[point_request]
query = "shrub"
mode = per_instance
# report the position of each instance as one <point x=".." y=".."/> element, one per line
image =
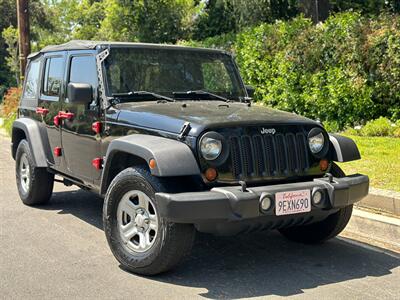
<point x="10" y="101"/>
<point x="396" y="132"/>
<point x="331" y="126"/>
<point x="9" y="121"/>
<point x="345" y="71"/>
<point x="352" y="131"/>
<point x="378" y="127"/>
<point x="9" y="107"/>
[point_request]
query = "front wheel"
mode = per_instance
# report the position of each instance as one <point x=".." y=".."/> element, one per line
<point x="325" y="229"/>
<point x="139" y="238"/>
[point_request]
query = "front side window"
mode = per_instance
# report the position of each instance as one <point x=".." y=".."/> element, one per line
<point x="32" y="80"/>
<point x="53" y="75"/>
<point x="83" y="70"/>
<point x="169" y="71"/>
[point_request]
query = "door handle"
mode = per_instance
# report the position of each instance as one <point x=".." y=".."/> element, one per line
<point x="61" y="116"/>
<point x="42" y="111"/>
<point x="65" y="115"/>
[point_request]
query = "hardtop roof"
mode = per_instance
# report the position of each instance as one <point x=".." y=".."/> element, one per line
<point x="87" y="45"/>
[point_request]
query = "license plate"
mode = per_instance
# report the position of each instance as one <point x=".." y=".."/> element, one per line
<point x="293" y="202"/>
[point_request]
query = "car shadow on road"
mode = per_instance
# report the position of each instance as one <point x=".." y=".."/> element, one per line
<point x="251" y="265"/>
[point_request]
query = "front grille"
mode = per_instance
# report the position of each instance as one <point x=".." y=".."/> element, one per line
<point x="269" y="155"/>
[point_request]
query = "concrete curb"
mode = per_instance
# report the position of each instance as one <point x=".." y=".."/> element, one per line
<point x="375" y="229"/>
<point x="382" y="200"/>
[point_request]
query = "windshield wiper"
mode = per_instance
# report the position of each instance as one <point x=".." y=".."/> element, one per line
<point x="134" y="94"/>
<point x="200" y="92"/>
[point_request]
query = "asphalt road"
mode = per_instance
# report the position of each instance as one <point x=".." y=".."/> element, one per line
<point x="59" y="251"/>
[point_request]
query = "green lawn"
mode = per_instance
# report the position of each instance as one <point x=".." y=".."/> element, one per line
<point x="380" y="160"/>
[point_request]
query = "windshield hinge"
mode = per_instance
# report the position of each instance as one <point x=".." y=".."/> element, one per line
<point x="184" y="130"/>
<point x="102" y="91"/>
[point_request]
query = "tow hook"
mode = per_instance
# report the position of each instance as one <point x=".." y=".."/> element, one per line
<point x="243" y="184"/>
<point x="329" y="176"/>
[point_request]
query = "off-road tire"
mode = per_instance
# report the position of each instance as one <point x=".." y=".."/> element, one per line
<point x="324" y="230"/>
<point x="40" y="187"/>
<point x="173" y="241"/>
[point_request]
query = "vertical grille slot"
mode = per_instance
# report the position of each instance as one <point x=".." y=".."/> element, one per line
<point x="302" y="152"/>
<point x="292" y="153"/>
<point x="247" y="156"/>
<point x="235" y="154"/>
<point x="281" y="153"/>
<point x="259" y="155"/>
<point x="270" y="155"/>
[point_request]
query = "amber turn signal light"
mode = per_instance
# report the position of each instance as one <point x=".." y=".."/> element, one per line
<point x="323" y="164"/>
<point x="211" y="174"/>
<point x="152" y="163"/>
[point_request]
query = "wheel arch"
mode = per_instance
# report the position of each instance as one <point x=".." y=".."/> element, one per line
<point x="173" y="158"/>
<point x="343" y="149"/>
<point x="25" y="128"/>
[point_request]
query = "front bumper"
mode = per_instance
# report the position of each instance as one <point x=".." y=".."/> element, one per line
<point x="229" y="204"/>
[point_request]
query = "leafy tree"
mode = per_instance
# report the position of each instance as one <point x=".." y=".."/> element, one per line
<point x="88" y="24"/>
<point x="39" y="19"/>
<point x="10" y="36"/>
<point x="372" y="7"/>
<point x="223" y="16"/>
<point x="8" y="18"/>
<point x="216" y="18"/>
<point x="147" y="21"/>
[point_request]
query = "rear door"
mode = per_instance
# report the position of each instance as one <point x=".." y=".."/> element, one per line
<point x="80" y="143"/>
<point x="51" y="94"/>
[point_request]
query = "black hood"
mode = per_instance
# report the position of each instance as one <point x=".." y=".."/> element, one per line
<point x="203" y="115"/>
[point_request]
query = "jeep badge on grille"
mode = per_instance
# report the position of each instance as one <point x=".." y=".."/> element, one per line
<point x="268" y="131"/>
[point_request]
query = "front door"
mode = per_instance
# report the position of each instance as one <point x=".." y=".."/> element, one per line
<point x="81" y="145"/>
<point x="50" y="101"/>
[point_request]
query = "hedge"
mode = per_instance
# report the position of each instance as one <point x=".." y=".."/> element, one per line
<point x="343" y="72"/>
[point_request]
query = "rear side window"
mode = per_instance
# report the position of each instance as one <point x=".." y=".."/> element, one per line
<point x="53" y="75"/>
<point x="32" y="80"/>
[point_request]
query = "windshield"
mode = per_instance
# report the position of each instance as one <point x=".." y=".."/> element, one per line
<point x="169" y="72"/>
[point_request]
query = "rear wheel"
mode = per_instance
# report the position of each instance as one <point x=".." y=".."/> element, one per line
<point x="141" y="240"/>
<point x="35" y="185"/>
<point x="323" y="230"/>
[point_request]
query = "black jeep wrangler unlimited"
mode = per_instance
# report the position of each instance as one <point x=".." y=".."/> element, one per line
<point x="168" y="136"/>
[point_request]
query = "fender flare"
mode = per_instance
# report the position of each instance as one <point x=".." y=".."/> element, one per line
<point x="343" y="149"/>
<point x="36" y="137"/>
<point x="173" y="158"/>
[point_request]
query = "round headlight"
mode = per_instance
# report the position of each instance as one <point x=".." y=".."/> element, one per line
<point x="316" y="142"/>
<point x="210" y="148"/>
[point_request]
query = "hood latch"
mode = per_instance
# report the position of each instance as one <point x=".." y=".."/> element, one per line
<point x="184" y="130"/>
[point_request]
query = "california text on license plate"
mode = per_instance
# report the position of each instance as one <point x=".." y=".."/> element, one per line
<point x="293" y="202"/>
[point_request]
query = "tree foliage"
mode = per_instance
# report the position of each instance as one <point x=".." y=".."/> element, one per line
<point x="148" y="21"/>
<point x="10" y="36"/>
<point x="39" y="19"/>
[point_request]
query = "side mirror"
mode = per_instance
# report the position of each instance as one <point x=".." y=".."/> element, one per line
<point x="250" y="90"/>
<point x="79" y="93"/>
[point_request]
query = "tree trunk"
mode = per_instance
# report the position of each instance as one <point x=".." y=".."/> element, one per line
<point x="23" y="31"/>
<point x="317" y="10"/>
